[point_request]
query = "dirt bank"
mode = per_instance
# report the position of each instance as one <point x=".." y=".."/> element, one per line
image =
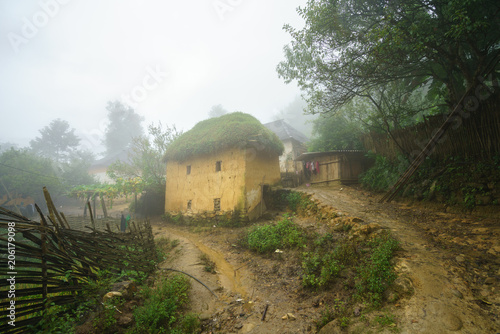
<point x="448" y="259"/>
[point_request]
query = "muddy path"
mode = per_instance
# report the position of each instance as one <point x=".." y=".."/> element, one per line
<point x="243" y="296"/>
<point x="446" y="299"/>
<point x="453" y="291"/>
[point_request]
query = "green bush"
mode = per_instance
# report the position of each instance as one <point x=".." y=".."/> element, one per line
<point x="319" y="270"/>
<point x="293" y="200"/>
<point x="268" y="238"/>
<point x="162" y="305"/>
<point x="384" y="173"/>
<point x="376" y="273"/>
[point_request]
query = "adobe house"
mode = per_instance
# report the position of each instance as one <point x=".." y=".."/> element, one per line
<point x="100" y="167"/>
<point x="294" y="143"/>
<point x="340" y="166"/>
<point x="222" y="164"/>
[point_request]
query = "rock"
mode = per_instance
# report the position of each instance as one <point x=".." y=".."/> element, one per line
<point x="490" y="280"/>
<point x="288" y="316"/>
<point x="110" y="295"/>
<point x="331" y="328"/>
<point x="239" y="325"/>
<point x="457" y="293"/>
<point x="452" y="322"/>
<point x="124" y="321"/>
<point x="460" y="258"/>
<point x="126" y="288"/>
<point x="247" y="328"/>
<point x="495" y="250"/>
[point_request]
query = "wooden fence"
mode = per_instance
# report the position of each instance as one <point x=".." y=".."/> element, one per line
<point x="472" y="135"/>
<point x="47" y="262"/>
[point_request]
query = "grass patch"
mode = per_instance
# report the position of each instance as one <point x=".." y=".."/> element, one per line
<point x="161" y="312"/>
<point x="338" y="310"/>
<point x="208" y="265"/>
<point x="376" y="272"/>
<point x="267" y="238"/>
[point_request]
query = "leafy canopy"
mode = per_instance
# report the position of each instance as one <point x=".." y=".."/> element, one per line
<point x="56" y="141"/>
<point x="145" y="158"/>
<point x="124" y="124"/>
<point x="234" y="130"/>
<point x="352" y="48"/>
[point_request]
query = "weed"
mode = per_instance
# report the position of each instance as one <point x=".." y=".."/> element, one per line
<point x="322" y="266"/>
<point x="208" y="265"/>
<point x="319" y="269"/>
<point x="161" y="310"/>
<point x="268" y="238"/>
<point x="293" y="200"/>
<point x="339" y="311"/>
<point x="385" y="320"/>
<point x="376" y="273"/>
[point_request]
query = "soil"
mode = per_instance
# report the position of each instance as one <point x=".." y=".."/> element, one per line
<point x="449" y="261"/>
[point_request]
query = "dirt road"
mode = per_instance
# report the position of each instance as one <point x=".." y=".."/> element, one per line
<point x="449" y="260"/>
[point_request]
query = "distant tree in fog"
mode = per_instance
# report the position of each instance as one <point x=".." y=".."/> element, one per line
<point x="56" y="141"/>
<point x="5" y="146"/>
<point x="23" y="173"/>
<point x="124" y="124"/>
<point x="294" y="114"/>
<point x="216" y="111"/>
<point x="146" y="157"/>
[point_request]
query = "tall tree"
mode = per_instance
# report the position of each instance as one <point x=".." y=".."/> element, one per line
<point x="124" y="124"/>
<point x="146" y="157"/>
<point x="352" y="48"/>
<point x="339" y="131"/>
<point x="56" y="141"/>
<point x="23" y="173"/>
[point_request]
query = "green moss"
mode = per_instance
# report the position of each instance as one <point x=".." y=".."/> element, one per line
<point x="234" y="130"/>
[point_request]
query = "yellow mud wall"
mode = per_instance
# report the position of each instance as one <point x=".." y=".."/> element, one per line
<point x="204" y="184"/>
<point x="262" y="168"/>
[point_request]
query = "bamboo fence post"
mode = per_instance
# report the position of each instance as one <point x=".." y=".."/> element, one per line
<point x="52" y="208"/>
<point x="103" y="204"/>
<point x="43" y="239"/>
<point x="91" y="216"/>
<point x="65" y="220"/>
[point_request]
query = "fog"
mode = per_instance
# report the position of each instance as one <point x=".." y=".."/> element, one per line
<point x="171" y="61"/>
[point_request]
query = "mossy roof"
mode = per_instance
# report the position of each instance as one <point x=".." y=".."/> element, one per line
<point x="234" y="130"/>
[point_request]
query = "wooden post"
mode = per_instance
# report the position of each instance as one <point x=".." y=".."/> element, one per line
<point x="85" y="207"/>
<point x="103" y="204"/>
<point x="91" y="215"/>
<point x="43" y="240"/>
<point x="52" y="208"/>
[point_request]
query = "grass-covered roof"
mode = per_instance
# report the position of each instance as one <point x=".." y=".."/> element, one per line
<point x="220" y="133"/>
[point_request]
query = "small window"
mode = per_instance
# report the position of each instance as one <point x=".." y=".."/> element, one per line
<point x="218" y="166"/>
<point x="189" y="205"/>
<point x="216" y="204"/>
<point x="188" y="170"/>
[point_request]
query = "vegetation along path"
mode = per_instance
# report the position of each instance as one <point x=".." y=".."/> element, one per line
<point x="447" y="270"/>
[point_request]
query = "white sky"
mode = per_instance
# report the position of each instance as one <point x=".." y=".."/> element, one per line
<point x="68" y="60"/>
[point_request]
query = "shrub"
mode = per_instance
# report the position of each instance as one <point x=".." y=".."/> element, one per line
<point x="319" y="269"/>
<point x="384" y="173"/>
<point x="268" y="238"/>
<point x="376" y="273"/>
<point x="161" y="310"/>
